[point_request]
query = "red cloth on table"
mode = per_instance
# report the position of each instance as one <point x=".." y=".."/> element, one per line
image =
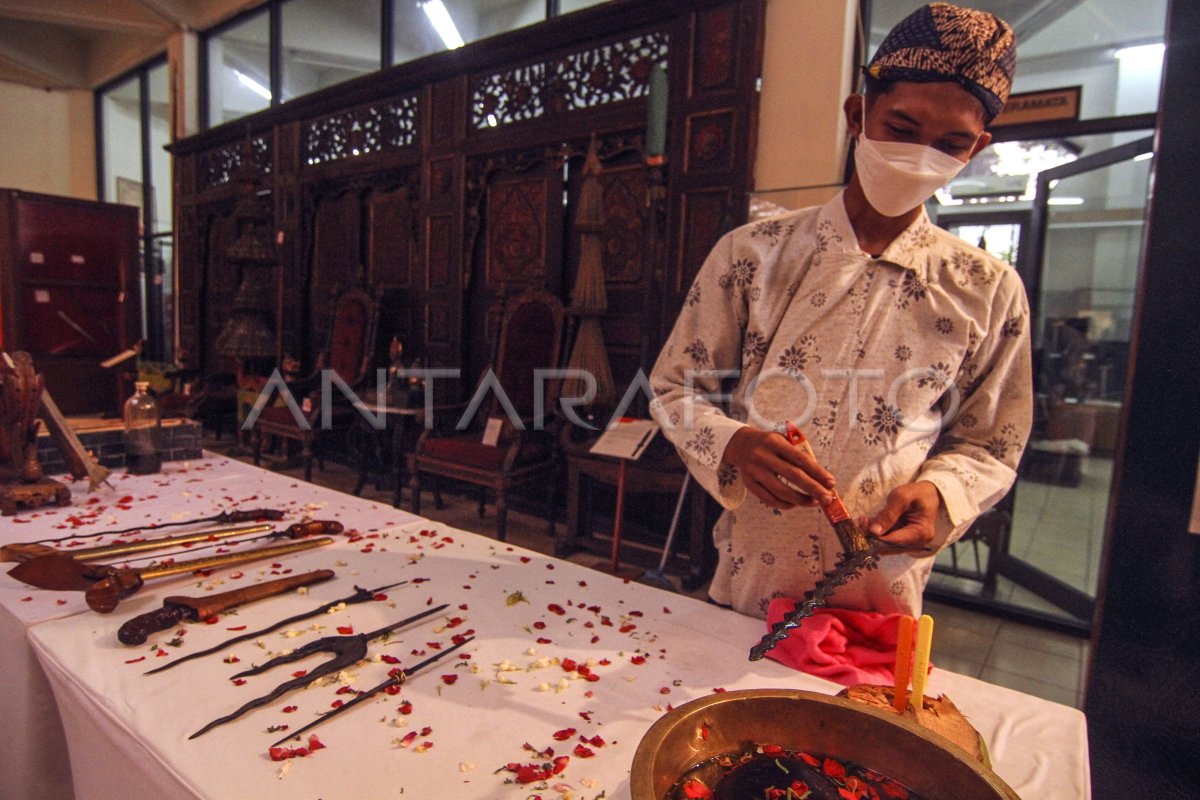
<point x="840" y="644"/>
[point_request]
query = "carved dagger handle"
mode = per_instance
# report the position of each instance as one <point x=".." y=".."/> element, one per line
<point x="178" y="609"/>
<point x="138" y="629"/>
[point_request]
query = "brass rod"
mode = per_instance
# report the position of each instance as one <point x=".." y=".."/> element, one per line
<point x="122" y="548"/>
<point x="191" y="565"/>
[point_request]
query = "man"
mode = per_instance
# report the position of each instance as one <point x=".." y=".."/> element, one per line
<point x="901" y="351"/>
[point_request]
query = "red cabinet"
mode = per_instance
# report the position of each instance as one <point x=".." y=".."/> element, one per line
<point x="69" y="292"/>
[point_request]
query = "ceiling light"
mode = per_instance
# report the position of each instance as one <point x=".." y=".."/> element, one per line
<point x="1065" y="201"/>
<point x="253" y="85"/>
<point x="1142" y="52"/>
<point x="439" y="17"/>
<point x="1144" y="157"/>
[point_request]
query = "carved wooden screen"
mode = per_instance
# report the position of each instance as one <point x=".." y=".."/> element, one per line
<point x="519" y="245"/>
<point x="444" y="179"/>
<point x="220" y="285"/>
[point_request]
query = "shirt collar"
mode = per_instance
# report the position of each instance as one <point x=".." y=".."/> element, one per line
<point x="909" y="250"/>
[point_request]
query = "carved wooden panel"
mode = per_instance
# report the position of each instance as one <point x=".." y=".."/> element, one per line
<point x="220" y="285"/>
<point x="439" y="251"/>
<point x="335" y="258"/>
<point x="703" y="215"/>
<point x="438" y="323"/>
<point x="390" y="238"/>
<point x="594" y="76"/>
<point x="441" y="188"/>
<point x="624" y="242"/>
<point x="517" y="234"/>
<point x="218" y="165"/>
<point x="447" y="98"/>
<point x="191" y="287"/>
<point x="709" y="138"/>
<point x="372" y="128"/>
<point x="715" y="48"/>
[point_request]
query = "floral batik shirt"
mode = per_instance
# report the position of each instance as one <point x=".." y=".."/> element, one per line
<point x="913" y="365"/>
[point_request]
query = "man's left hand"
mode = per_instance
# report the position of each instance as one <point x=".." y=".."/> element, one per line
<point x="908" y="517"/>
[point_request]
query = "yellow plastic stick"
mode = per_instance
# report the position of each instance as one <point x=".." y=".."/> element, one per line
<point x="921" y="660"/>
<point x="903" y="666"/>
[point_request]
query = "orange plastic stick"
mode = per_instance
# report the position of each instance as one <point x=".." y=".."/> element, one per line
<point x="904" y="646"/>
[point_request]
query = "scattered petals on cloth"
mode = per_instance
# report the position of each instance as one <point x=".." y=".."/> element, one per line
<point x="840" y="644"/>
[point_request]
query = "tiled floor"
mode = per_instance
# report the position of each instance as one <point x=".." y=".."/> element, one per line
<point x="1023" y="657"/>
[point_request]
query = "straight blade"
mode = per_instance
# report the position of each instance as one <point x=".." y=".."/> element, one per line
<point x="360" y="595"/>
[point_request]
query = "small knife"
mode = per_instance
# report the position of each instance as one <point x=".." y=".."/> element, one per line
<point x="177" y="609"/>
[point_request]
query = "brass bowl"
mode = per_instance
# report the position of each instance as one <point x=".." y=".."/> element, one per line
<point x="926" y="762"/>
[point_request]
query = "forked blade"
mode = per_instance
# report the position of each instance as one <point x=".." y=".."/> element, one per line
<point x="395" y="680"/>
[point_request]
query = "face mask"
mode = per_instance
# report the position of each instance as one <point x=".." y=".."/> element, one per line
<point x="897" y="177"/>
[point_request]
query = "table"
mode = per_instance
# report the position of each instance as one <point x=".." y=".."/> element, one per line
<point x="653" y="473"/>
<point x="471" y="716"/>
<point x="396" y="418"/>
<point x="32" y="745"/>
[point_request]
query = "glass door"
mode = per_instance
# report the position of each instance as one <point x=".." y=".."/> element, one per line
<point x="1087" y="226"/>
<point x="1077" y="246"/>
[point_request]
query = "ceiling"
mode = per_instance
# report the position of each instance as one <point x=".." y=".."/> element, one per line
<point x="81" y="44"/>
<point x="1047" y="27"/>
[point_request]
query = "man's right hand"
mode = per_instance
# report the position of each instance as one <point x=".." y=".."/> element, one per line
<point x="768" y="463"/>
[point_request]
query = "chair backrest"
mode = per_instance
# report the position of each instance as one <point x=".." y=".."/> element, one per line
<point x="530" y="338"/>
<point x="351" y="345"/>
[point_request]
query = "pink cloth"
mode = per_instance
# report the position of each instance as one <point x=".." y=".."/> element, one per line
<point x="843" y="645"/>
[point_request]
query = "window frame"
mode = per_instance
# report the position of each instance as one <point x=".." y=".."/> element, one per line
<point x="152" y="299"/>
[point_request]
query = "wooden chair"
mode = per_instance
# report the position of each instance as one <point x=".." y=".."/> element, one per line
<point x="349" y="351"/>
<point x="529" y="339"/>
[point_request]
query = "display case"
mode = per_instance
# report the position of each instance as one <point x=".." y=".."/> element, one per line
<point x="69" y="293"/>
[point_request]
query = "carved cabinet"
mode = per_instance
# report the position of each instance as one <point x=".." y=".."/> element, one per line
<point x="69" y="293"/>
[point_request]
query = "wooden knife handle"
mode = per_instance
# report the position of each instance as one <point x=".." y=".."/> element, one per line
<point x="137" y="630"/>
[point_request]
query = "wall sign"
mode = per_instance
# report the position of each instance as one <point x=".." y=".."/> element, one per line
<point x="1043" y="106"/>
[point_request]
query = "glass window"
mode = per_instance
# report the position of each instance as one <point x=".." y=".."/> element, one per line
<point x="239" y="72"/>
<point x="159" y="218"/>
<point x="326" y="42"/>
<point x="121" y="126"/>
<point x="414" y="35"/>
<point x="1111" y="48"/>
<point x="567" y="6"/>
<point x="430" y="26"/>
<point x="135" y="121"/>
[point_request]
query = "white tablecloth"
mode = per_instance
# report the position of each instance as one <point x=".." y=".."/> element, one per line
<point x="127" y="732"/>
<point x="33" y="760"/>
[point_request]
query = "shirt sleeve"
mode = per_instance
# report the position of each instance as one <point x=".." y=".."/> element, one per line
<point x="974" y="462"/>
<point x="702" y="353"/>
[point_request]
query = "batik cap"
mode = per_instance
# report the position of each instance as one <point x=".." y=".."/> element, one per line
<point x="941" y="42"/>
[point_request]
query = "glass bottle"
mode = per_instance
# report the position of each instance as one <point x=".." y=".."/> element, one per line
<point x="143" y="432"/>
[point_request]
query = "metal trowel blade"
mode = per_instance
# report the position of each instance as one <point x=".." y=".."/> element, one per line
<point x="58" y="573"/>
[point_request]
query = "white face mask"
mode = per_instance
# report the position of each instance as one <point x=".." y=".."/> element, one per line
<point x="897" y="177"/>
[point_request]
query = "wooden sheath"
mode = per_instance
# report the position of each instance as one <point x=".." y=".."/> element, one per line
<point x="205" y="607"/>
